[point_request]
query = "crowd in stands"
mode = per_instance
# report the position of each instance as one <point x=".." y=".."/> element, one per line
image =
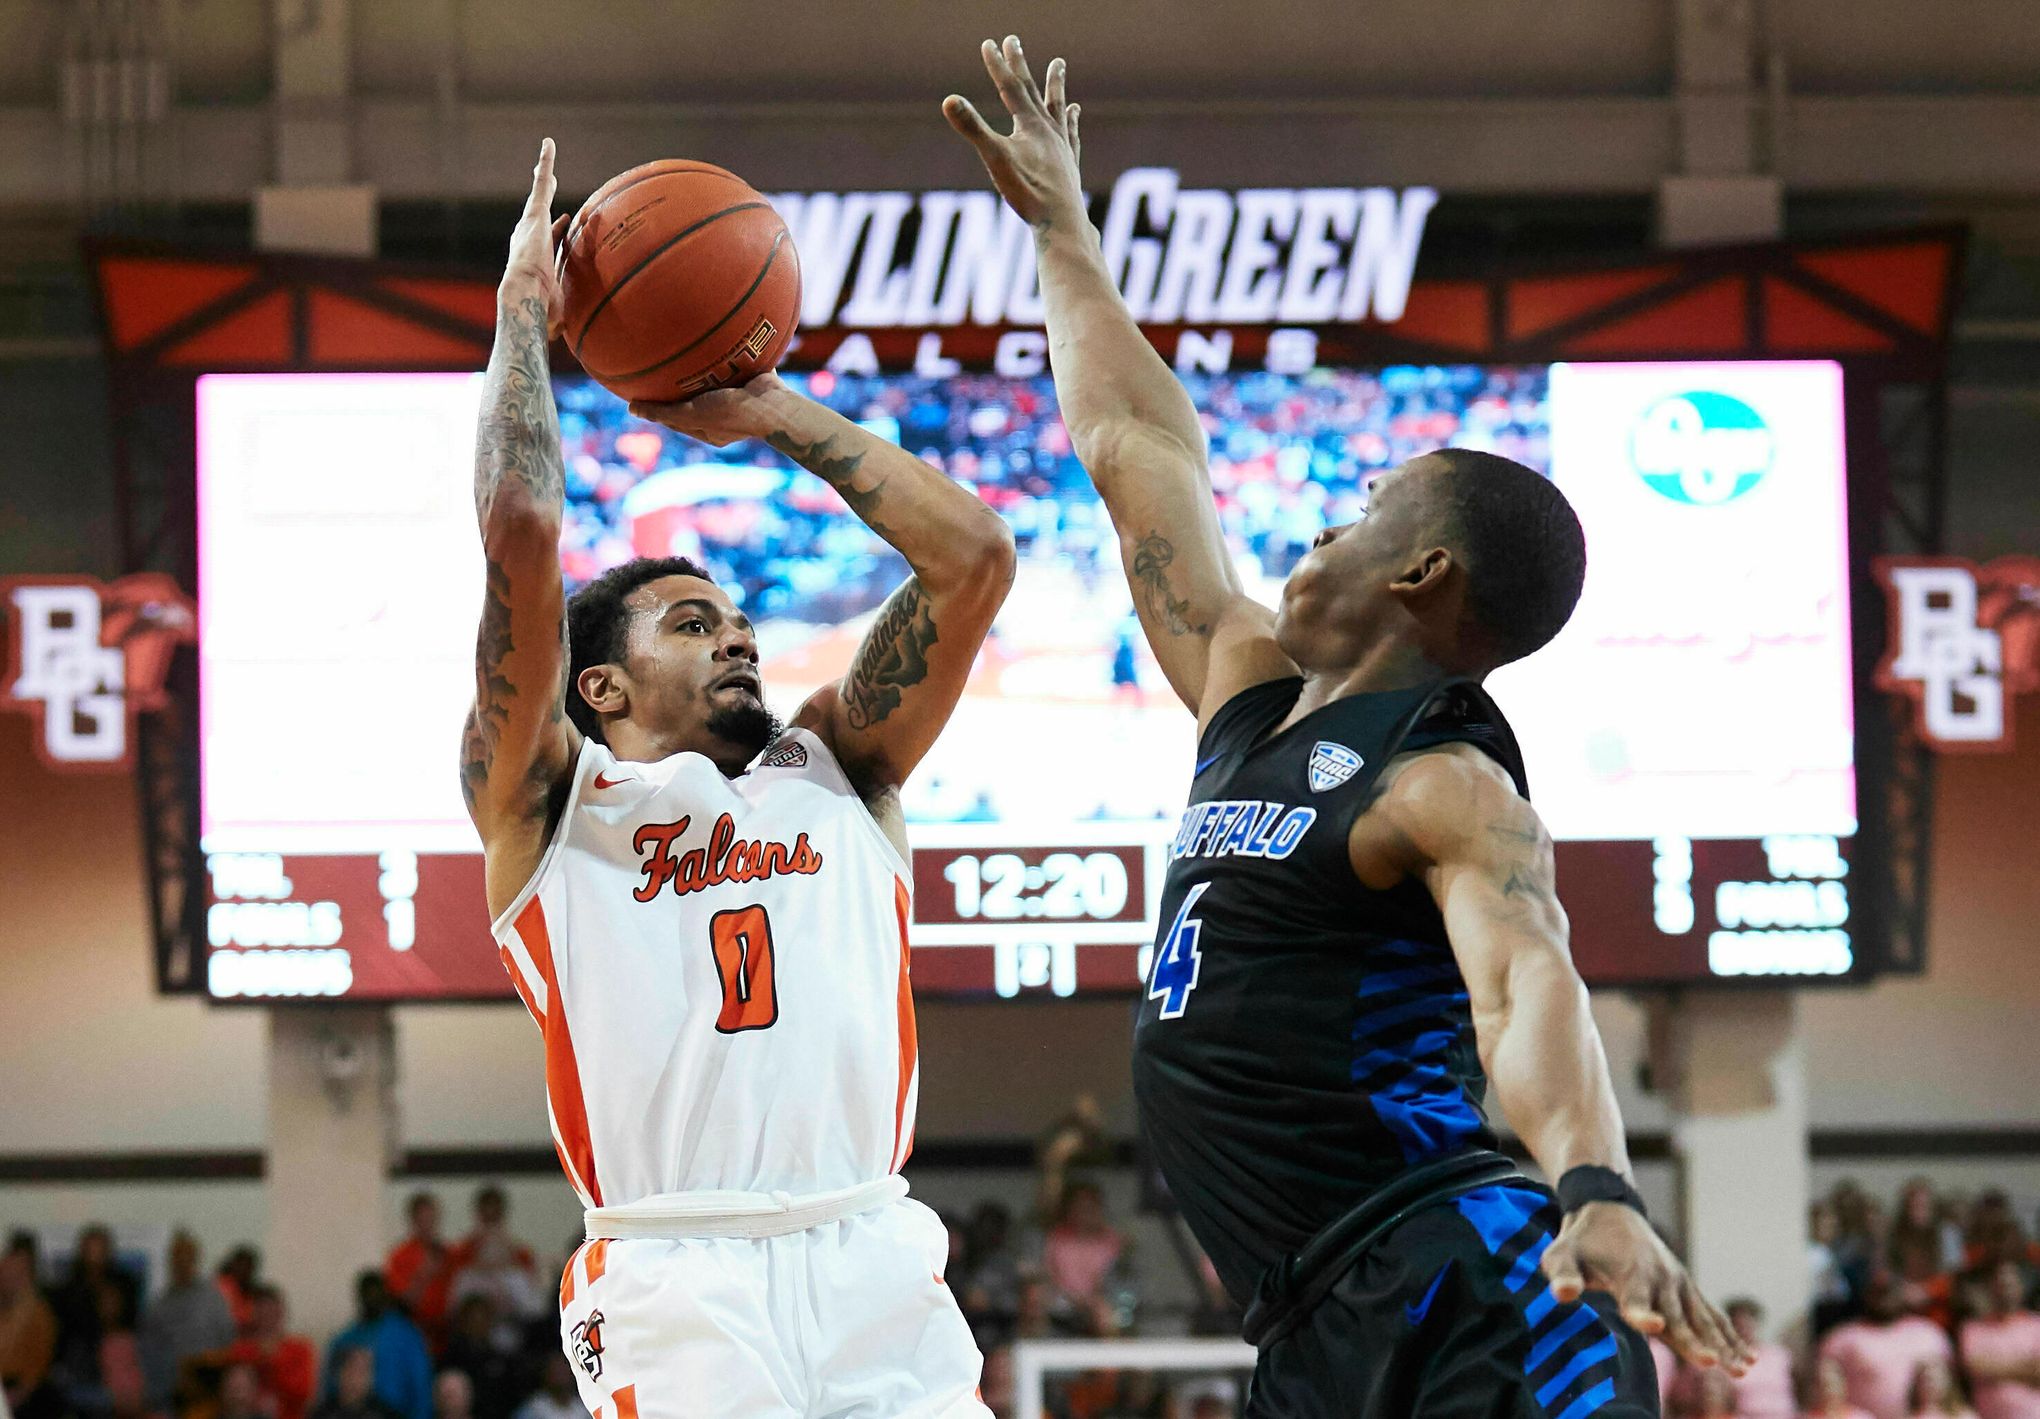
<point x="1289" y="454"/>
<point x="1925" y="1311"/>
<point x="445" y="1329"/>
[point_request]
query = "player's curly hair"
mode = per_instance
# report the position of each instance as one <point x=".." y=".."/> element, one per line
<point x="596" y="618"/>
<point x="1525" y="552"/>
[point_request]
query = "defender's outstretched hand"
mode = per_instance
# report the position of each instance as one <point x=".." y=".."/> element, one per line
<point x="1611" y="1248"/>
<point x="1035" y="166"/>
<point x="533" y="269"/>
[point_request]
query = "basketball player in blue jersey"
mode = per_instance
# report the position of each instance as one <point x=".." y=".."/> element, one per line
<point x="1359" y="931"/>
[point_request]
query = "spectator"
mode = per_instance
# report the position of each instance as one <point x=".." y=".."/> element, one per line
<point x="995" y="1386"/>
<point x="1079" y="1256"/>
<point x="121" y="1378"/>
<point x="1925" y="1226"/>
<point x="1831" y="1394"/>
<point x="238" y="1275"/>
<point x="419" y="1270"/>
<point x="453" y="1396"/>
<point x="189" y="1319"/>
<point x="557" y="1397"/>
<point x="241" y="1394"/>
<point x="1919" y="1252"/>
<point x="1935" y="1395"/>
<point x="1714" y="1396"/>
<point x="1213" y="1395"/>
<point x="82" y="1320"/>
<point x="1765" y="1390"/>
<point x="1139" y="1396"/>
<point x="1665" y="1361"/>
<point x="1075" y="1140"/>
<point x="475" y="1347"/>
<point x="1994" y="1234"/>
<point x="28" y="1334"/>
<point x="1828" y="1291"/>
<point x="490" y="1262"/>
<point x="285" y="1366"/>
<point x="1035" y="1319"/>
<point x="354" y="1382"/>
<point x="1216" y="1312"/>
<point x="988" y="1287"/>
<point x="2002" y="1350"/>
<point x="1877" y="1354"/>
<point x="398" y="1366"/>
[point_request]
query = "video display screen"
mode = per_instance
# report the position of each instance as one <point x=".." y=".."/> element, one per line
<point x="1688" y="736"/>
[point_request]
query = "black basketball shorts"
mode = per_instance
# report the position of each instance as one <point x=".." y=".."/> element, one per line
<point x="1448" y="1317"/>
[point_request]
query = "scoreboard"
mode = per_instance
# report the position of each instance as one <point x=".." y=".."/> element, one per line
<point x="1689" y="737"/>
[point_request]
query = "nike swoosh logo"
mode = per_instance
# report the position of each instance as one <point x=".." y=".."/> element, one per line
<point x="601" y="782"/>
<point x="1203" y="764"/>
<point x="1415" y="1314"/>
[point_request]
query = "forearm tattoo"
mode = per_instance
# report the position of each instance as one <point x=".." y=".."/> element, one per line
<point x="518" y="441"/>
<point x="839" y="471"/>
<point x="1151" y="562"/>
<point x="893" y="658"/>
<point x="519" y="437"/>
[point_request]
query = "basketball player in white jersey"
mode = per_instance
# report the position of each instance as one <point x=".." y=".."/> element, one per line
<point x="708" y="916"/>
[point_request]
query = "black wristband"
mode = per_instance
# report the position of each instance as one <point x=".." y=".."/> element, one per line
<point x="1592" y="1183"/>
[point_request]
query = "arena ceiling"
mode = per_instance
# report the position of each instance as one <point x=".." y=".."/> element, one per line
<point x="203" y="100"/>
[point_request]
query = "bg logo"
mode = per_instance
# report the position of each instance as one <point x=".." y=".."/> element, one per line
<point x="86" y="658"/>
<point x="1964" y="640"/>
<point x="1702" y="448"/>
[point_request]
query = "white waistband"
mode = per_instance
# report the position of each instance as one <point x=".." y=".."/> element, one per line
<point x="676" y="1215"/>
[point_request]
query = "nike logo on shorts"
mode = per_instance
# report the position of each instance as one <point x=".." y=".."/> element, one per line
<point x="1415" y="1314"/>
<point x="603" y="782"/>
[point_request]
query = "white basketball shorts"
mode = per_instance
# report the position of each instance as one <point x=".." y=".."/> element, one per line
<point x="847" y="1320"/>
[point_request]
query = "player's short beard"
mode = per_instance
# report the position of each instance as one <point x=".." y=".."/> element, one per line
<point x="750" y="726"/>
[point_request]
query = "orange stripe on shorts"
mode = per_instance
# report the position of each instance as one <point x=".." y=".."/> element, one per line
<point x="598" y="1259"/>
<point x="626" y="1402"/>
<point x="567" y="1277"/>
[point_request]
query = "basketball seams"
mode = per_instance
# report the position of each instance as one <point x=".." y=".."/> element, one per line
<point x="653" y="255"/>
<point x="617" y="186"/>
<point x="771" y="257"/>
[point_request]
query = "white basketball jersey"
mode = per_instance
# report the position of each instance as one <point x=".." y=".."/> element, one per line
<point x="719" y="968"/>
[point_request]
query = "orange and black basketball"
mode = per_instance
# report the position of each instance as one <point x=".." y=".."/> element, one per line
<point x="679" y="278"/>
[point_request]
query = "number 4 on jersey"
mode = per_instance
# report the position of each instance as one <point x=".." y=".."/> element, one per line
<point x="1177" y="959"/>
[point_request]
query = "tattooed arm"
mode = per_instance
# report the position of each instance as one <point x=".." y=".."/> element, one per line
<point x="1129" y="417"/>
<point x="882" y="716"/>
<point x="1452" y="818"/>
<point x="518" y="748"/>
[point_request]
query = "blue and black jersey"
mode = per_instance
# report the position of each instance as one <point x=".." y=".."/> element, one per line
<point x="1305" y="1067"/>
<point x="1303" y="1039"/>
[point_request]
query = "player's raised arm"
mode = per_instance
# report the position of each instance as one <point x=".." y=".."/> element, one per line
<point x="1454" y="818"/>
<point x="1129" y="417"/>
<point x="882" y="716"/>
<point x="518" y="746"/>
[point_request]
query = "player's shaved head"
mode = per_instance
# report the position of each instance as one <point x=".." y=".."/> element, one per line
<point x="1521" y="544"/>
